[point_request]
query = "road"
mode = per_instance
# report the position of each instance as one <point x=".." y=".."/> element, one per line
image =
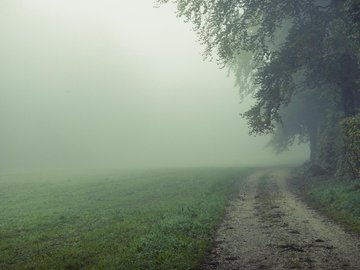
<point x="267" y="227"/>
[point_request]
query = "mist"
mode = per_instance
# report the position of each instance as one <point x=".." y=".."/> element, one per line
<point x="116" y="84"/>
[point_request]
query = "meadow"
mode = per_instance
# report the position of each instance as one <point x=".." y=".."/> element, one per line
<point x="135" y="219"/>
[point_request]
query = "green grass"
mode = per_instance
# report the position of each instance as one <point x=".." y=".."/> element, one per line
<point x="146" y="219"/>
<point x="335" y="197"/>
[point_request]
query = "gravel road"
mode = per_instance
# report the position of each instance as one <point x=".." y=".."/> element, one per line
<point x="267" y="227"/>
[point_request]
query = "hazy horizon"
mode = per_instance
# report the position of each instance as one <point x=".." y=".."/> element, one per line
<point x="116" y="84"/>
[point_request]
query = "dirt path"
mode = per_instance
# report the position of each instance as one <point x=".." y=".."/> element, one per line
<point x="266" y="227"/>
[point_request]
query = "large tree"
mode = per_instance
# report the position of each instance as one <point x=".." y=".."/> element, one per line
<point x="282" y="50"/>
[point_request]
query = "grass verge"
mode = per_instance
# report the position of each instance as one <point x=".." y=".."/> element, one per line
<point x="150" y="219"/>
<point x="337" y="198"/>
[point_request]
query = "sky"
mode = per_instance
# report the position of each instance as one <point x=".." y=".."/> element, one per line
<point x="116" y="84"/>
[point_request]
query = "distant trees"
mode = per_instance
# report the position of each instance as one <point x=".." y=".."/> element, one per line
<point x="300" y="121"/>
<point x="299" y="59"/>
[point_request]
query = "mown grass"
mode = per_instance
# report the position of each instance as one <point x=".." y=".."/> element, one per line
<point x="149" y="219"/>
<point x="338" y="198"/>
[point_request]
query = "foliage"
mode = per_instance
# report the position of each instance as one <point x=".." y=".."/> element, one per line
<point x="351" y="134"/>
<point x="144" y="219"/>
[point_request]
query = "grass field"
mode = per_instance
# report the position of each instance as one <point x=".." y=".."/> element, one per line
<point x="144" y="219"/>
<point x="335" y="197"/>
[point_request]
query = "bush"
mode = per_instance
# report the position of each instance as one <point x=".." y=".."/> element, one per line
<point x="351" y="134"/>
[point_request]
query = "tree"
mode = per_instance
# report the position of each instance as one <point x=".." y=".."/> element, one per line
<point x="297" y="50"/>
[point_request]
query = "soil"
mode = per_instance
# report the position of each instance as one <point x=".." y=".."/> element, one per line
<point x="267" y="227"/>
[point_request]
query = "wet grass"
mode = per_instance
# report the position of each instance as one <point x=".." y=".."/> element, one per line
<point x="149" y="219"/>
<point x="338" y="198"/>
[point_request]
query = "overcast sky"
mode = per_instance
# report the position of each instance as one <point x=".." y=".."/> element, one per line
<point x="115" y="83"/>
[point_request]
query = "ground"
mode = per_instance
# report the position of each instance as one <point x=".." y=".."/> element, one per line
<point x="267" y="227"/>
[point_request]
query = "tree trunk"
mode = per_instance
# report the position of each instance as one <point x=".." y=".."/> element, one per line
<point x="313" y="145"/>
<point x="348" y="85"/>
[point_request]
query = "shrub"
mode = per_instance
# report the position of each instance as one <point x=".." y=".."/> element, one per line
<point x="351" y="135"/>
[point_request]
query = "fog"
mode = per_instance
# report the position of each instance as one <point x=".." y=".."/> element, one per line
<point x="116" y="84"/>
